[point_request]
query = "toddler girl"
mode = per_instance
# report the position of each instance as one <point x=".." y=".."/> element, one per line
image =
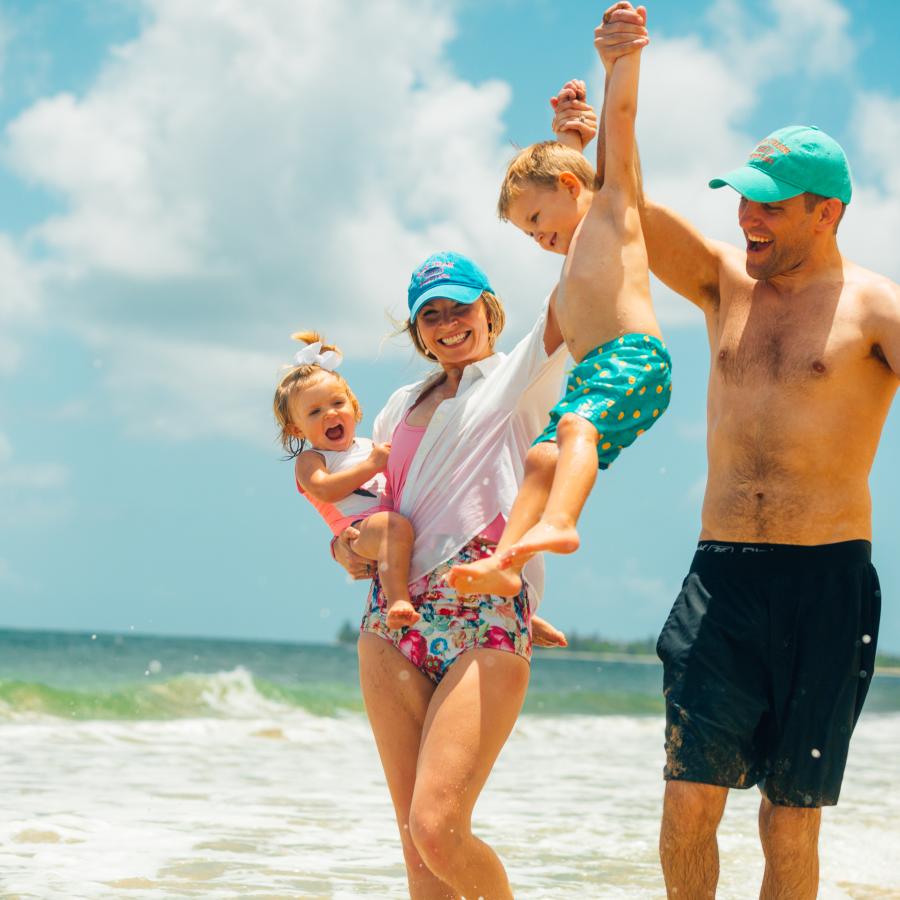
<point x="339" y="473"/>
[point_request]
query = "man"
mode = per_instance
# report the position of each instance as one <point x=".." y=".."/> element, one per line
<point x="769" y="649"/>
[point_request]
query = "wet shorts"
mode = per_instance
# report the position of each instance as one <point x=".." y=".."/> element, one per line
<point x="621" y="388"/>
<point x="450" y="626"/>
<point x="768" y="654"/>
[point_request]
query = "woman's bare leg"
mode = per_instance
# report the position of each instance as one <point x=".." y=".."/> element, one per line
<point x="388" y="537"/>
<point x="469" y="719"/>
<point x="397" y="695"/>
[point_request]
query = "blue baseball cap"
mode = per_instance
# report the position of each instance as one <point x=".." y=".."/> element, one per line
<point x="795" y="160"/>
<point x="449" y="275"/>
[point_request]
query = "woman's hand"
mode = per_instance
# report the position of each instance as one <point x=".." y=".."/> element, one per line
<point x="358" y="567"/>
<point x="574" y="120"/>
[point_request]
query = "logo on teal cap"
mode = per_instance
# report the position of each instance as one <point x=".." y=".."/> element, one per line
<point x="449" y="275"/>
<point x="795" y="160"/>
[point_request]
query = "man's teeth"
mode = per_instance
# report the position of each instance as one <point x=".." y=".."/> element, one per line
<point x="758" y="239"/>
<point x="453" y="341"/>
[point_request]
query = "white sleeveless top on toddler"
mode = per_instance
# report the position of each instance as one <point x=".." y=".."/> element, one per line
<point x="362" y="502"/>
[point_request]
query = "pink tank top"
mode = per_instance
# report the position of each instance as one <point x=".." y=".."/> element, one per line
<point x="404" y="444"/>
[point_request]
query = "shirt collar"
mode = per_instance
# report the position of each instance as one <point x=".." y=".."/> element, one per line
<point x="480" y="369"/>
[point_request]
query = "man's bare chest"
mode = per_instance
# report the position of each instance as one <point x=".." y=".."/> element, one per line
<point x="767" y="347"/>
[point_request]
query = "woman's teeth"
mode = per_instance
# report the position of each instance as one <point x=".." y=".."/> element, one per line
<point x="454" y="340"/>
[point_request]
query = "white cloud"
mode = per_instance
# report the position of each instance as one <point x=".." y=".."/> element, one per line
<point x="31" y="475"/>
<point x="869" y="231"/>
<point x="32" y="494"/>
<point x="819" y="27"/>
<point x="239" y="171"/>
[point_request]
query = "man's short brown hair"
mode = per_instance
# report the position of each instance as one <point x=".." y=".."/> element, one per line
<point x="542" y="164"/>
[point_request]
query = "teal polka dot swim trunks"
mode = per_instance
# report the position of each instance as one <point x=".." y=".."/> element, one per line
<point x="622" y="387"/>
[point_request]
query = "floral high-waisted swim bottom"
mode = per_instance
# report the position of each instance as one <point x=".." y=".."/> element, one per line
<point x="450" y="625"/>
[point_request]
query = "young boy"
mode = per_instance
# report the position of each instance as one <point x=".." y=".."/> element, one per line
<point x="621" y="381"/>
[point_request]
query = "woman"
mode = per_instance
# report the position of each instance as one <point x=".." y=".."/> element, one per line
<point x="443" y="695"/>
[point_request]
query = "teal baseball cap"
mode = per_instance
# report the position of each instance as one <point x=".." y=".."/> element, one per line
<point x="449" y="275"/>
<point x="795" y="160"/>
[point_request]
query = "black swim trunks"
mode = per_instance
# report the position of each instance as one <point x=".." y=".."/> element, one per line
<point x="768" y="654"/>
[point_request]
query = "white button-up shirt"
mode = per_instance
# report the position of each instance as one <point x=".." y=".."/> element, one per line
<point x="470" y="463"/>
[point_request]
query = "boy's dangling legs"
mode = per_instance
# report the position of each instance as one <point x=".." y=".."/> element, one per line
<point x="559" y="475"/>
<point x="387" y="538"/>
<point x="484" y="576"/>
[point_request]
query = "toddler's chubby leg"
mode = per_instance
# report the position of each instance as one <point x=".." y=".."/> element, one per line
<point x="486" y="576"/>
<point x="387" y="537"/>
<point x="574" y="476"/>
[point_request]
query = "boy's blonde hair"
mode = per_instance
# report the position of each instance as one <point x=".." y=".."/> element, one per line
<point x="294" y="379"/>
<point x="542" y="164"/>
<point x="496" y="319"/>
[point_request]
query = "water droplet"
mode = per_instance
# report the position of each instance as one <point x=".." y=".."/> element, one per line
<point x="155" y="666"/>
<point x="867" y="638"/>
<point x="877" y="593"/>
<point x="324" y="612"/>
<point x="403" y="676"/>
<point x="807" y="798"/>
<point x="93" y="637"/>
<point x="815" y="753"/>
<point x="863" y="673"/>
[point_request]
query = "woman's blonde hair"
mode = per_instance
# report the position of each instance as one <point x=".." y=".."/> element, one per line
<point x="496" y="319"/>
<point x="295" y="378"/>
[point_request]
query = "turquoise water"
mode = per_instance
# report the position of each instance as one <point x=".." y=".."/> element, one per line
<point x="84" y="676"/>
<point x="155" y="768"/>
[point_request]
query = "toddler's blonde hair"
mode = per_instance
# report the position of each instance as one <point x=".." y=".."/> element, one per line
<point x="294" y="379"/>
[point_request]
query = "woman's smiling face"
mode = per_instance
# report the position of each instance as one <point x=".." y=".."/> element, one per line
<point x="455" y="333"/>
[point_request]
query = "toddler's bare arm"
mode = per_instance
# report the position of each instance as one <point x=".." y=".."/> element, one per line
<point x="327" y="486"/>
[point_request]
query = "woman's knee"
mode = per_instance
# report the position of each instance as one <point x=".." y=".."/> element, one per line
<point x="438" y="836"/>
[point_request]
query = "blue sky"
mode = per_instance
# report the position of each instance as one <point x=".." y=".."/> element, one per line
<point x="184" y="184"/>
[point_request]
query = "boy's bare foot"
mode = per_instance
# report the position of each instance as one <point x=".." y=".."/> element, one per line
<point x="484" y="576"/>
<point x="543" y="536"/>
<point x="543" y="634"/>
<point x="401" y="614"/>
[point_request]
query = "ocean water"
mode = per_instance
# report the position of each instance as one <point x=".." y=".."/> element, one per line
<point x="137" y="767"/>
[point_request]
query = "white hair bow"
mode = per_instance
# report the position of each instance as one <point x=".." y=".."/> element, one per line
<point x="311" y="355"/>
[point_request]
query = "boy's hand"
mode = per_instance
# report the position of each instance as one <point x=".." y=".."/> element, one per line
<point x="624" y="30"/>
<point x="379" y="456"/>
<point x="574" y="120"/>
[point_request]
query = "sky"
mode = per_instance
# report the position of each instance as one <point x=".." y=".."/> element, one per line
<point x="183" y="183"/>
